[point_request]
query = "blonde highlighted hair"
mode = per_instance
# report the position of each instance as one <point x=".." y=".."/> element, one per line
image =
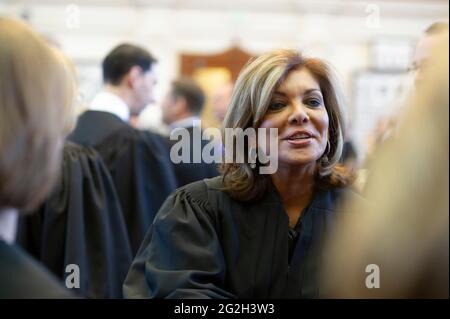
<point x="251" y="98"/>
<point x="69" y="107"/>
<point x="36" y="94"/>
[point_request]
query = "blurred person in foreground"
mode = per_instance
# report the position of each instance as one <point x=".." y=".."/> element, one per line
<point x="80" y="222"/>
<point x="387" y="126"/>
<point x="434" y="35"/>
<point x="246" y="234"/>
<point x="35" y="88"/>
<point x="402" y="231"/>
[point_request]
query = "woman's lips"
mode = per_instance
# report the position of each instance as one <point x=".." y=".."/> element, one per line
<point x="299" y="142"/>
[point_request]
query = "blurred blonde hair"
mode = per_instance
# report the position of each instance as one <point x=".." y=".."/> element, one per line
<point x="250" y="100"/>
<point x="404" y="226"/>
<point x="69" y="107"/>
<point x="35" y="92"/>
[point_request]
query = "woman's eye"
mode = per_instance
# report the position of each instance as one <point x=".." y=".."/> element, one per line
<point x="276" y="106"/>
<point x="314" y="102"/>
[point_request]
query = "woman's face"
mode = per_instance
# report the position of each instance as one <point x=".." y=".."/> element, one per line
<point x="298" y="111"/>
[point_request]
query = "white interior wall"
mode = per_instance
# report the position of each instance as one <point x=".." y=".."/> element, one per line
<point x="86" y="32"/>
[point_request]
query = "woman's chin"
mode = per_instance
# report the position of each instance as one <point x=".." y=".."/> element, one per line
<point x="296" y="160"/>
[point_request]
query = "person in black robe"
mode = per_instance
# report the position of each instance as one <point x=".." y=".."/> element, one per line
<point x="81" y="223"/>
<point x="143" y="176"/>
<point x="94" y="127"/>
<point x="204" y="244"/>
<point x="138" y="161"/>
<point x="188" y="172"/>
<point x="33" y="97"/>
<point x="180" y="110"/>
<point x="257" y="230"/>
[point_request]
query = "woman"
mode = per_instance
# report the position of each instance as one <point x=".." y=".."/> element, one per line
<point x="35" y="85"/>
<point x="80" y="222"/>
<point x="246" y="234"/>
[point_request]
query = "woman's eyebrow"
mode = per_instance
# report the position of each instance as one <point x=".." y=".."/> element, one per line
<point x="308" y="91"/>
<point x="312" y="91"/>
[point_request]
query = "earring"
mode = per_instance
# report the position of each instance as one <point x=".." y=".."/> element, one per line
<point x="327" y="150"/>
<point x="252" y="157"/>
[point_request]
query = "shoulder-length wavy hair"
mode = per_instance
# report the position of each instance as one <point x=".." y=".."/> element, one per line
<point x="36" y="99"/>
<point x="251" y="98"/>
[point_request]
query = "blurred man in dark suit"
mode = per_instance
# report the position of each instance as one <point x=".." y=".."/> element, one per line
<point x="181" y="109"/>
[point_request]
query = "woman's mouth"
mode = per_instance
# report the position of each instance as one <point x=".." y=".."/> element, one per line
<point x="299" y="138"/>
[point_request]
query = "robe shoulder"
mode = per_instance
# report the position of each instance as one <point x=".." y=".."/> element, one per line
<point x="79" y="219"/>
<point x="202" y="196"/>
<point x="192" y="264"/>
<point x="143" y="175"/>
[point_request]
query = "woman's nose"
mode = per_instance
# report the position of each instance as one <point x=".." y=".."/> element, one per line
<point x="299" y="113"/>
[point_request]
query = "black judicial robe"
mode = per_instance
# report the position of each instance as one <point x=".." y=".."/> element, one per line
<point x="143" y="175"/>
<point x="139" y="164"/>
<point x="203" y="244"/>
<point x="191" y="172"/>
<point x="21" y="277"/>
<point x="94" y="126"/>
<point x="81" y="223"/>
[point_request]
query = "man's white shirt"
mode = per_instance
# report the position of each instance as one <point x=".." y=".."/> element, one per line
<point x="111" y="103"/>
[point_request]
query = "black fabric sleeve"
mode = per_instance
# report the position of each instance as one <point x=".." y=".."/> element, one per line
<point x="143" y="176"/>
<point x="181" y="256"/>
<point x="81" y="223"/>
